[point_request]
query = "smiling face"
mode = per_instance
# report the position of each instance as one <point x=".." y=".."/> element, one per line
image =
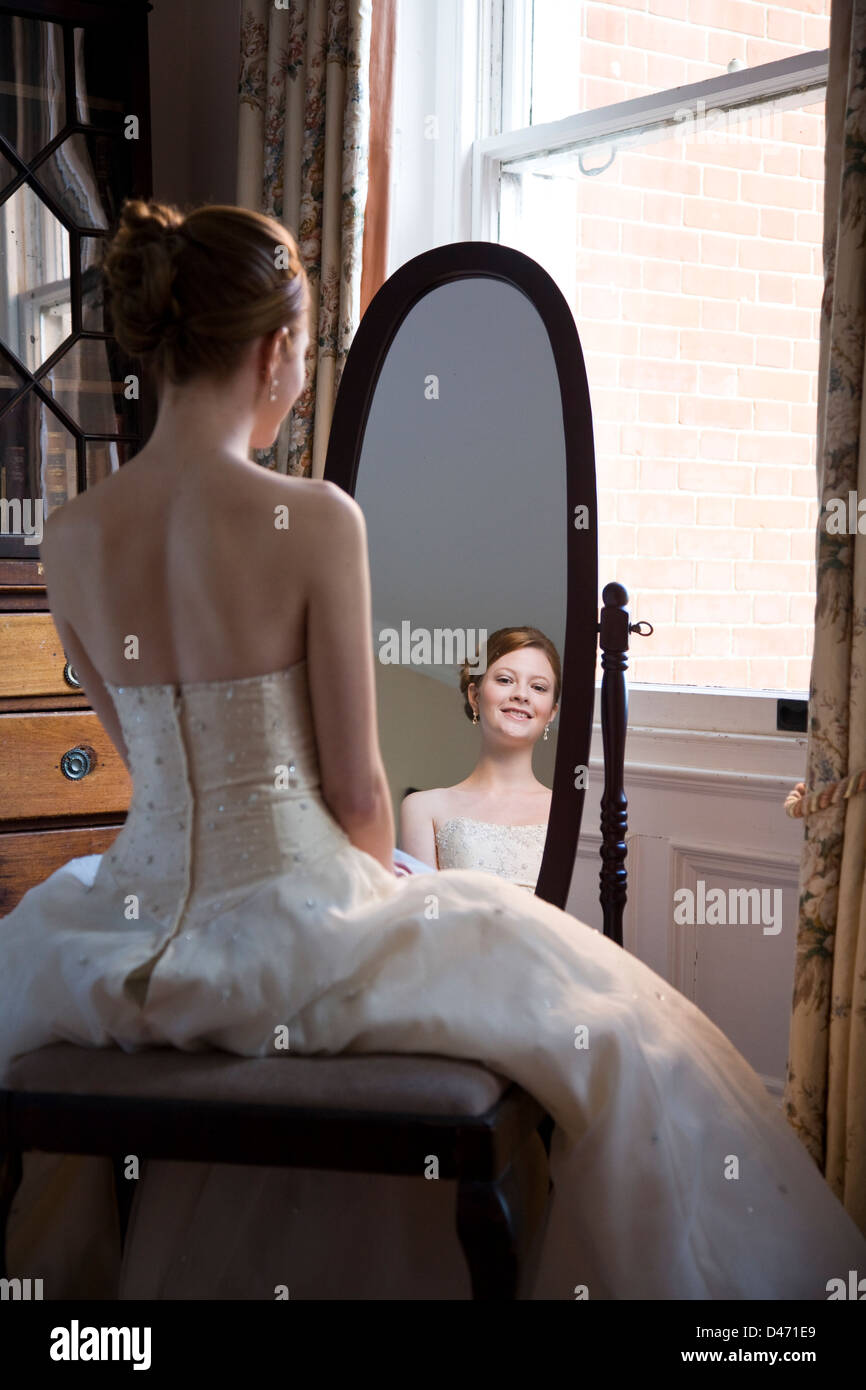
<point x="514" y="700"/>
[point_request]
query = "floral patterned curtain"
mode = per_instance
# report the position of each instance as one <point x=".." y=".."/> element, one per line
<point x="302" y="158"/>
<point x="825" y="1094"/>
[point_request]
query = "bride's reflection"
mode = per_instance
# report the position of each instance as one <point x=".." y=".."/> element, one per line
<point x="496" y="818"/>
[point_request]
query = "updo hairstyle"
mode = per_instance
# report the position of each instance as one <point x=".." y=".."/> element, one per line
<point x="188" y="292"/>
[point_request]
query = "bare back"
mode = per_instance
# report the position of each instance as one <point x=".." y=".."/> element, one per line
<point x="190" y="575"/>
<point x="172" y="574"/>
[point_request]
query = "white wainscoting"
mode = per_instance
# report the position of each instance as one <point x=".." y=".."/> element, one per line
<point x="709" y="806"/>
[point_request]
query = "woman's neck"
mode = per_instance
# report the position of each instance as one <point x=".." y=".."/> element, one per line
<point x="503" y="773"/>
<point x="201" y="419"/>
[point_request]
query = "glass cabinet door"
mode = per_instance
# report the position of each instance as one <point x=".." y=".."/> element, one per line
<point x="74" y="142"/>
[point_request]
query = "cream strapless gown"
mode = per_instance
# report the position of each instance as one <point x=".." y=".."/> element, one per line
<point x="232" y="904"/>
<point x="512" y="852"/>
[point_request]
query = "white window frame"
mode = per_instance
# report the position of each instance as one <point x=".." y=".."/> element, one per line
<point x="472" y="80"/>
<point x="506" y="139"/>
<point x="511" y="140"/>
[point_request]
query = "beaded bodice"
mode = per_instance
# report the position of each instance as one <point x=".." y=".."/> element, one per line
<point x="226" y="791"/>
<point x="513" y="852"/>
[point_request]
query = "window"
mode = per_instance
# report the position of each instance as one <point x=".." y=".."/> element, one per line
<point x="667" y="169"/>
<point x="69" y="406"/>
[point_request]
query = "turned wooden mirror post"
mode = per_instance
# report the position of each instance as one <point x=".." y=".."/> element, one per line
<point x="613" y="640"/>
<point x="614" y="630"/>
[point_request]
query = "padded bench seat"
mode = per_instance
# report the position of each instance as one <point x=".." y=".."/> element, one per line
<point x="360" y="1113"/>
<point x="410" y="1084"/>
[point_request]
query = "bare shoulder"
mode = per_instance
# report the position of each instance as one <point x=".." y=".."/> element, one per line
<point x="52" y="530"/>
<point x="319" y="496"/>
<point x="319" y="511"/>
<point x="66" y="536"/>
<point x="109" y="507"/>
<point x="335" y="505"/>
<point x="62" y="530"/>
<point x="426" y="805"/>
<point x="65" y="520"/>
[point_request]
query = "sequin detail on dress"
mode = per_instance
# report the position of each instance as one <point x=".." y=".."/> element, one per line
<point x="219" y="769"/>
<point x="512" y="852"/>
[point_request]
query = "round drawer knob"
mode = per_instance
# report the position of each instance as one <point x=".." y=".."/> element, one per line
<point x="70" y="677"/>
<point x="76" y="763"/>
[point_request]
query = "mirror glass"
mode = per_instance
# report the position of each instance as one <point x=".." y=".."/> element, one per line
<point x="463" y="486"/>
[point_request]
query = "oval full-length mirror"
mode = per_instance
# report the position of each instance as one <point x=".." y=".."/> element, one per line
<point x="478" y="522"/>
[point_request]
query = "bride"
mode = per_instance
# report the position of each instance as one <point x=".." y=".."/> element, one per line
<point x="221" y="627"/>
<point x="496" y="818"/>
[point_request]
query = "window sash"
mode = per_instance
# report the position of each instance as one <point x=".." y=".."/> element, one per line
<point x="523" y="148"/>
<point x="509" y="145"/>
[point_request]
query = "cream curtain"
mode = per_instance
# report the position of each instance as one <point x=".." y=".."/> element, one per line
<point x="302" y="157"/>
<point x="825" y="1094"/>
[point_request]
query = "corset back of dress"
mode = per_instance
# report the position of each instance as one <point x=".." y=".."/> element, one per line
<point x="226" y="789"/>
<point x="513" y="852"/>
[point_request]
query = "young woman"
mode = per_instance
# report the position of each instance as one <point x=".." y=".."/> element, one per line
<point x="219" y="617"/>
<point x="496" y="818"/>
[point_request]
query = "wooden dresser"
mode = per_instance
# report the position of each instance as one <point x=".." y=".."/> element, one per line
<point x="64" y="788"/>
<point x="74" y="142"/>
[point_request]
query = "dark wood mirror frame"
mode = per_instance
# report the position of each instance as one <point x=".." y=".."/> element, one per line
<point x="365" y="360"/>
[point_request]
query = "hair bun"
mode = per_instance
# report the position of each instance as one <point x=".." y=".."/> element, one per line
<point x="149" y="221"/>
<point x="140" y="270"/>
<point x="189" y="291"/>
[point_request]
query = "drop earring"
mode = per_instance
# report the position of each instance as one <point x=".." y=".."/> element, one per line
<point x="475" y="716"/>
<point x="272" y="393"/>
<point x="546" y="732"/>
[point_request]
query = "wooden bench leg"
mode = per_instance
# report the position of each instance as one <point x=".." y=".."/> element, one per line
<point x="11" y="1170"/>
<point x="501" y="1225"/>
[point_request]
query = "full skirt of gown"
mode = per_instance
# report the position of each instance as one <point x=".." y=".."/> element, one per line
<point x="652" y="1116"/>
<point x="675" y="1174"/>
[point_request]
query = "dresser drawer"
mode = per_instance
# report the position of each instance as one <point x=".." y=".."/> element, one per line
<point x="38" y="752"/>
<point x="32" y="659"/>
<point x="27" y="857"/>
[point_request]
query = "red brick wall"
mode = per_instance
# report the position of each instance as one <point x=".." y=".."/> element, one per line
<point x="698" y="290"/>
